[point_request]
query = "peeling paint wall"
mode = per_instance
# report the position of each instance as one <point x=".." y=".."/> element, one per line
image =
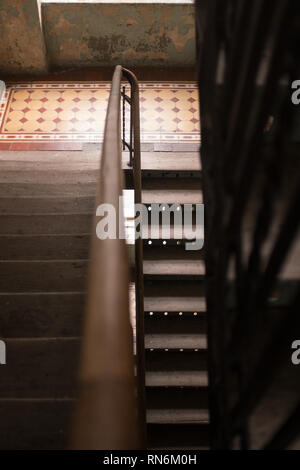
<point x="133" y="34"/>
<point x="22" y="48"/>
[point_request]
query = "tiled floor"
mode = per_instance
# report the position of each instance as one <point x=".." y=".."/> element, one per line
<point x="75" y="112"/>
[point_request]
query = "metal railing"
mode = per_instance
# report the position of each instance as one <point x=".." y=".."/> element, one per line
<point x="110" y="409"/>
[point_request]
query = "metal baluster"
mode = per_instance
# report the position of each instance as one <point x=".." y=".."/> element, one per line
<point x="123" y="117"/>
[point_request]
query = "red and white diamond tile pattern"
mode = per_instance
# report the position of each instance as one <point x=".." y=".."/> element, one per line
<point x="76" y="112"/>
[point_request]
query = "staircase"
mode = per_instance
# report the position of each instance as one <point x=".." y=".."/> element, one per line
<point x="46" y="207"/>
<point x="175" y="323"/>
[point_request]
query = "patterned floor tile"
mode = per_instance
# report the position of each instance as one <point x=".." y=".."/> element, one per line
<point x="70" y="111"/>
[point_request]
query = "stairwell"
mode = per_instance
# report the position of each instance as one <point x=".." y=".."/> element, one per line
<point x="175" y="324"/>
<point x="46" y="208"/>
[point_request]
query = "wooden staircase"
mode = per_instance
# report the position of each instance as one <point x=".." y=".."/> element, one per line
<point x="46" y="207"/>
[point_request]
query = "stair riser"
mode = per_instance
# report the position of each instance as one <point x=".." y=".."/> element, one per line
<point x="45" y="224"/>
<point x="169" y="252"/>
<point x="177" y="435"/>
<point x="161" y="324"/>
<point x="40" y="368"/>
<point x="43" y="276"/>
<point x="186" y="360"/>
<point x="173" y="181"/>
<point x="161" y="398"/>
<point x="44" y="247"/>
<point x="41" y="315"/>
<point x="41" y="205"/>
<point x="36" y="425"/>
<point x="183" y="287"/>
<point x="46" y="190"/>
<point x="50" y="173"/>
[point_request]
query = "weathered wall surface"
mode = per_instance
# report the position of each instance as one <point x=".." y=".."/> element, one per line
<point x="133" y="34"/>
<point x="96" y="34"/>
<point x="22" y="47"/>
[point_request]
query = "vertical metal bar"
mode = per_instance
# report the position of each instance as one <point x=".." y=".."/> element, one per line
<point x="123" y="117"/>
<point x="139" y="286"/>
<point x="132" y="131"/>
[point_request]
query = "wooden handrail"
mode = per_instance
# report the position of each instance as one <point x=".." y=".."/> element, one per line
<point x="108" y="412"/>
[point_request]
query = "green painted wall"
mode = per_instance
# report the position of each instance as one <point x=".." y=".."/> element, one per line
<point x="130" y="34"/>
<point x="95" y="34"/>
<point x="22" y="46"/>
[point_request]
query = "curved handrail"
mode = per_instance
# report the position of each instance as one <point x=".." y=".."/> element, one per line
<point x="108" y="407"/>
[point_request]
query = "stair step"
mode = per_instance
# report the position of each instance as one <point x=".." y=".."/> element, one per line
<point x="175" y="341"/>
<point x="188" y="360"/>
<point x="167" y="196"/>
<point x="184" y="287"/>
<point x="60" y="175"/>
<point x="40" y="368"/>
<point x="172" y="397"/>
<point x="174" y="181"/>
<point x="173" y="323"/>
<point x="74" y="166"/>
<point x="171" y="303"/>
<point x="187" y="232"/>
<point x="51" y="314"/>
<point x="45" y="224"/>
<point x="49" y="205"/>
<point x="77" y="223"/>
<point x="174" y="266"/>
<point x="180" y="436"/>
<point x="149" y="175"/>
<point x="47" y="190"/>
<point x="177" y="416"/>
<point x="179" y="161"/>
<point x="44" y="247"/>
<point x="176" y="379"/>
<point x="43" y="276"/>
<point x="173" y="250"/>
<point x="35" y="424"/>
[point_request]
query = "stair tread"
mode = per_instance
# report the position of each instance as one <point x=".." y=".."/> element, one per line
<point x="174" y="304"/>
<point x="174" y="266"/>
<point x="176" y="379"/>
<point x="175" y="341"/>
<point x="167" y="196"/>
<point x="187" y="161"/>
<point x="176" y="415"/>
